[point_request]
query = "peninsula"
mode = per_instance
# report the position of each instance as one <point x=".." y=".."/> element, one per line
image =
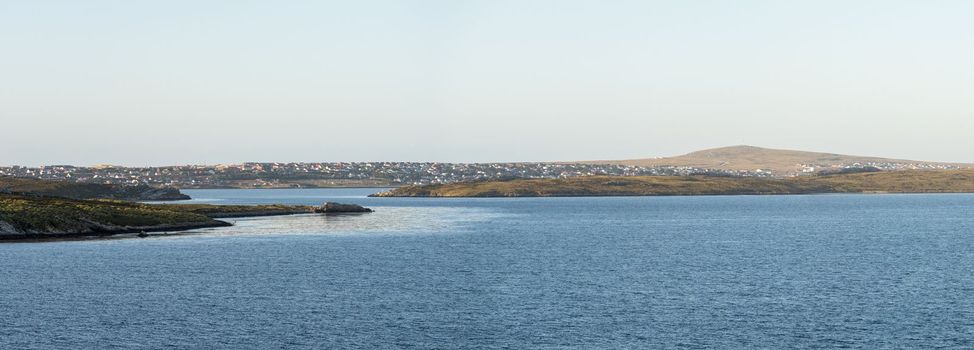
<point x="25" y="216"/>
<point x="32" y="209"/>
<point x="906" y="181"/>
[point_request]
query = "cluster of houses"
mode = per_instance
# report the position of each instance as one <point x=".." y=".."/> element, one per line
<point x="390" y="173"/>
<point x="806" y="169"/>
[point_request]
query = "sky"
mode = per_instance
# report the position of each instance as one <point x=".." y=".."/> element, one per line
<point x="205" y="82"/>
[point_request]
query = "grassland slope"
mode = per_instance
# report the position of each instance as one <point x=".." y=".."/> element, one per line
<point x="751" y="158"/>
<point x="913" y="181"/>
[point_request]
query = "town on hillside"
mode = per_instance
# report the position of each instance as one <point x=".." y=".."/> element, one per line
<point x="257" y="175"/>
<point x="348" y="174"/>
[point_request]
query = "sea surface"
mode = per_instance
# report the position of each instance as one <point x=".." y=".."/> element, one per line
<point x="765" y="272"/>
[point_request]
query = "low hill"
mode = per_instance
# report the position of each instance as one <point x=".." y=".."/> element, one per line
<point x="87" y="191"/>
<point x="782" y="162"/>
<point x="908" y="181"/>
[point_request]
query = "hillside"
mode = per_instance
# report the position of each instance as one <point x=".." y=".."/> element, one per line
<point x="87" y="190"/>
<point x="782" y="162"/>
<point x="911" y="181"/>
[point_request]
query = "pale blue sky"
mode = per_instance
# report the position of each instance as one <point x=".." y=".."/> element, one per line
<point x="177" y="82"/>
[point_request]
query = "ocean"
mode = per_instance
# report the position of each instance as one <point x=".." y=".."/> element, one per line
<point x="817" y="271"/>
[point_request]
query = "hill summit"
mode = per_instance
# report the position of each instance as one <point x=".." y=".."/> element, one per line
<point x="781" y="162"/>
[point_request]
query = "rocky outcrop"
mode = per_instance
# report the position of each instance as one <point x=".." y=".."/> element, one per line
<point x="7" y="229"/>
<point x="335" y="208"/>
<point x="146" y="193"/>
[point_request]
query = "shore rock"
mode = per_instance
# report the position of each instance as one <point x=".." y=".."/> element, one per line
<point x="7" y="228"/>
<point x="147" y="193"/>
<point x="332" y="207"/>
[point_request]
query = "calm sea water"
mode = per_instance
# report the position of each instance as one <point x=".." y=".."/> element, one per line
<point x="829" y="271"/>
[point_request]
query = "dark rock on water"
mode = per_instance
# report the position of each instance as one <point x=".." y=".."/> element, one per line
<point x="332" y="207"/>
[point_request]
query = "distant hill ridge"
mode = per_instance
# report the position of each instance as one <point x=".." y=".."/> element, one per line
<point x="777" y="160"/>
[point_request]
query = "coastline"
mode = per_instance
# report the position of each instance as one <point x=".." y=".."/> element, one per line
<point x="38" y="218"/>
<point x="42" y="218"/>
<point x="865" y="193"/>
<point x="914" y="181"/>
<point x="108" y="233"/>
<point x="121" y="232"/>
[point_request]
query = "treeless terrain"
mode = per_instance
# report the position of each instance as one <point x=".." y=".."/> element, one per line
<point x="753" y="158"/>
<point x="906" y="181"/>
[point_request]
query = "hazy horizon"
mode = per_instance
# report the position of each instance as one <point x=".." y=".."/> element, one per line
<point x="179" y="82"/>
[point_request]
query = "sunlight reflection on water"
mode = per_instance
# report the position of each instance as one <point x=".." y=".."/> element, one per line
<point x="385" y="220"/>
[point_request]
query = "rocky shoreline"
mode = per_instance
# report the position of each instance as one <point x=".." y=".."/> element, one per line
<point x="38" y="218"/>
<point x="101" y="231"/>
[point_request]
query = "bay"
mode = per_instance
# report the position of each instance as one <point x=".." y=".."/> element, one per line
<point x="822" y="271"/>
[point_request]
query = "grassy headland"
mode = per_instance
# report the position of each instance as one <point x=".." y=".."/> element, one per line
<point x="32" y="216"/>
<point x="948" y="181"/>
<point x="234" y="211"/>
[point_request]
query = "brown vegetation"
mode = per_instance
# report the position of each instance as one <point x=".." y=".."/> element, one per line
<point x="752" y="158"/>
<point x="948" y="181"/>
